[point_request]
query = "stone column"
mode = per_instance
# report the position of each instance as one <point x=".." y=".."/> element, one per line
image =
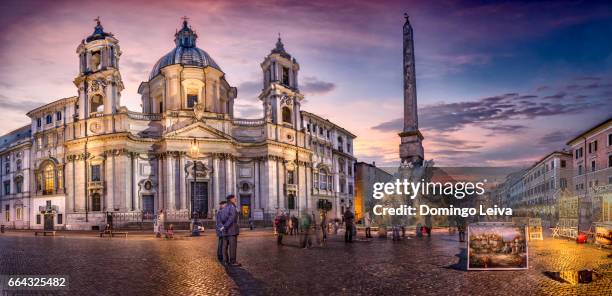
<point x="182" y="183"/>
<point x="109" y="100"/>
<point x="110" y="183"/>
<point x="134" y="184"/>
<point x="68" y="173"/>
<point x="169" y="186"/>
<point x="215" y="177"/>
<point x="228" y="176"/>
<point x="160" y="183"/>
<point x="256" y="202"/>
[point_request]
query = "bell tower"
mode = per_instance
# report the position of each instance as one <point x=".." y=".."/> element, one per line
<point x="99" y="81"/>
<point x="280" y="96"/>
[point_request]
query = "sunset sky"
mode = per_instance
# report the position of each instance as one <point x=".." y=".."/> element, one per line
<point x="501" y="83"/>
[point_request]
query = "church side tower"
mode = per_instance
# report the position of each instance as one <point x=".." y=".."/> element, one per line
<point x="411" y="147"/>
<point x="99" y="81"/>
<point x="280" y="96"/>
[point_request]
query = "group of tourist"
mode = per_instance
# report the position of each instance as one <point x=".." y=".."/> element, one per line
<point x="305" y="226"/>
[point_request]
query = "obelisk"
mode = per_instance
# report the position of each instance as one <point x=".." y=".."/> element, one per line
<point x="411" y="147"/>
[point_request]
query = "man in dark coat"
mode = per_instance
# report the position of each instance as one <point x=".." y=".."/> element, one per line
<point x="281" y="227"/>
<point x="230" y="230"/>
<point x="349" y="219"/>
<point x="218" y="226"/>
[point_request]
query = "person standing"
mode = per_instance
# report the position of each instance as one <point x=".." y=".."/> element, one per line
<point x="349" y="219"/>
<point x="230" y="230"/>
<point x="282" y="227"/>
<point x="218" y="226"/>
<point x="289" y="225"/>
<point x="296" y="226"/>
<point x="461" y="230"/>
<point x="306" y="224"/>
<point x="159" y="224"/>
<point x="367" y="221"/>
<point x="324" y="224"/>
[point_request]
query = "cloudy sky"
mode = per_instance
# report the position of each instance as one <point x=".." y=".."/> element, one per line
<point x="500" y="83"/>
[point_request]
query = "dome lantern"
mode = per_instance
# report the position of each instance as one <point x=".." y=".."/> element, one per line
<point x="185" y="37"/>
<point x="185" y="53"/>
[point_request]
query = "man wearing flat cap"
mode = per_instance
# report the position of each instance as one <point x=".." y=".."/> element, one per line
<point x="230" y="230"/>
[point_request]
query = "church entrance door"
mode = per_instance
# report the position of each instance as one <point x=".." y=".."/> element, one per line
<point x="199" y="199"/>
<point x="148" y="207"/>
<point x="49" y="222"/>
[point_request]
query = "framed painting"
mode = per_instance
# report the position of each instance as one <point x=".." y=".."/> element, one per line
<point x="497" y="246"/>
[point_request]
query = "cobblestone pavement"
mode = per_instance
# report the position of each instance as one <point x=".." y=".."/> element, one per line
<point x="187" y="266"/>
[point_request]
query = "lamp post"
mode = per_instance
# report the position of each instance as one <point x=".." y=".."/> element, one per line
<point x="194" y="151"/>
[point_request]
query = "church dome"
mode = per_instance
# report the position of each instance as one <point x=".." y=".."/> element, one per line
<point x="185" y="53"/>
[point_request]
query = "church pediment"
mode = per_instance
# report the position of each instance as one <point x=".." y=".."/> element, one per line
<point x="198" y="130"/>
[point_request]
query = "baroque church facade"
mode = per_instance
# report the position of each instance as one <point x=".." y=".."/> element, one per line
<point x="86" y="157"/>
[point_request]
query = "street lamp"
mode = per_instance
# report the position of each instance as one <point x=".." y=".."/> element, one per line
<point x="195" y="229"/>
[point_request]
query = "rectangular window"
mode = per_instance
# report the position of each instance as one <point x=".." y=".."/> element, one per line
<point x="38" y="122"/>
<point x="18" y="214"/>
<point x="58" y="115"/>
<point x="285" y="76"/>
<point x="7" y="187"/>
<point x="350" y="188"/>
<point x="49" y="119"/>
<point x="610" y="161"/>
<point x="580" y="170"/>
<point x="95" y="173"/>
<point x="60" y="219"/>
<point x="290" y="177"/>
<point x="595" y="146"/>
<point x="563" y="164"/>
<point x="563" y="183"/>
<point x="323" y="182"/>
<point x="38" y="219"/>
<point x="192" y="100"/>
<point x="592" y="166"/>
<point x="161" y="107"/>
<point x="609" y="139"/>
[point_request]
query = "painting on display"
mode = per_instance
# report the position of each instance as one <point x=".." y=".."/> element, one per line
<point x="603" y="234"/>
<point x="497" y="246"/>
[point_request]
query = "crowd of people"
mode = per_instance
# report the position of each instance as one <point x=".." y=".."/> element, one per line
<point x="305" y="226"/>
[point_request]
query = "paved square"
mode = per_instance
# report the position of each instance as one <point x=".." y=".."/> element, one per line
<point x="187" y="266"/>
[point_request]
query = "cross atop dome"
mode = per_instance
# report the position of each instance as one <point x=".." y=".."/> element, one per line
<point x="280" y="48"/>
<point x="98" y="33"/>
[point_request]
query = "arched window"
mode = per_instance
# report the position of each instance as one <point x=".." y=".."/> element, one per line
<point x="95" y="61"/>
<point x="287" y="115"/>
<point x="49" y="178"/>
<point x="19" y="184"/>
<point x="323" y="179"/>
<point x="97" y="104"/>
<point x="96" y="202"/>
<point x="18" y="164"/>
